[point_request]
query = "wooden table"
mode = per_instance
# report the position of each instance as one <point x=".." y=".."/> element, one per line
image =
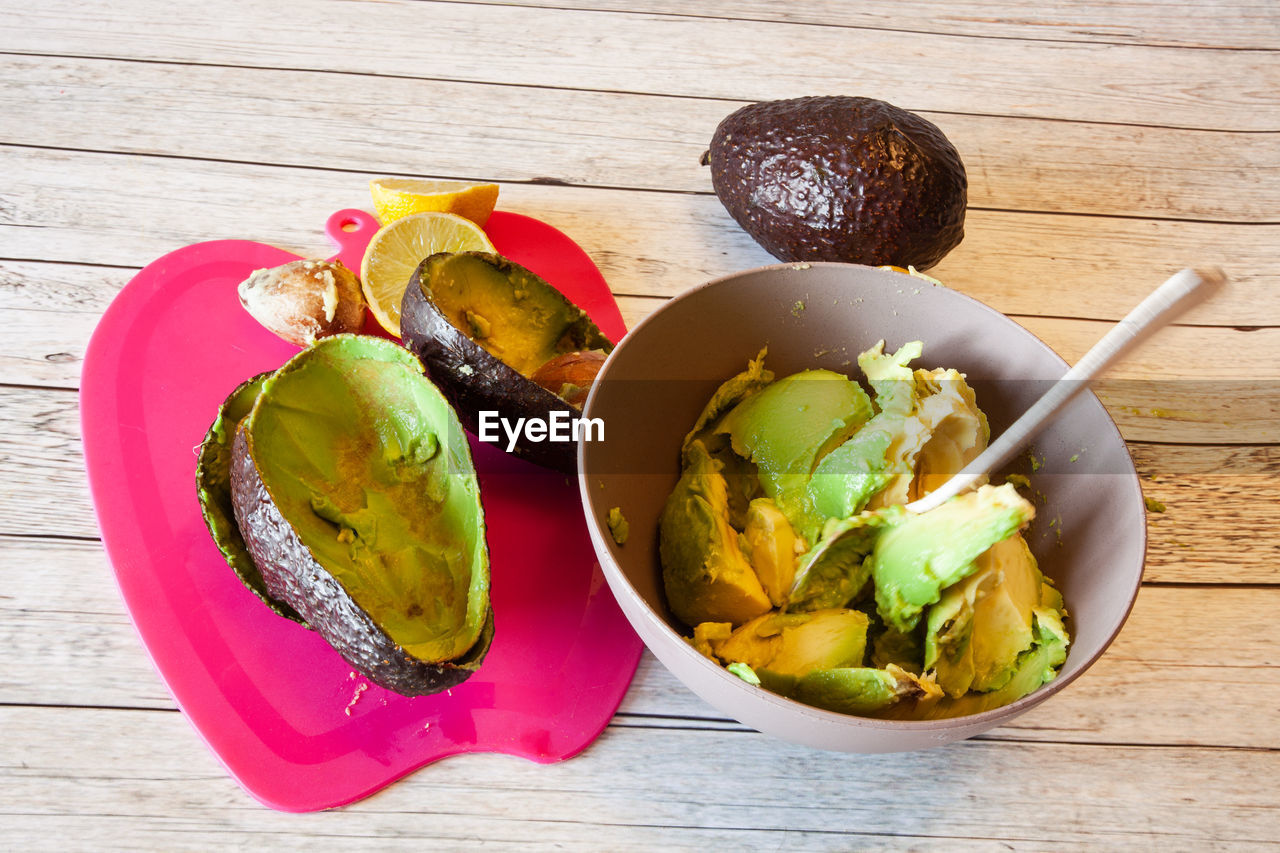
<point x="1107" y="145"/>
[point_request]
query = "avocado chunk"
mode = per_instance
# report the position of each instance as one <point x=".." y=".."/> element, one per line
<point x="354" y="489"/>
<point x="213" y="487"/>
<point x="927" y="427"/>
<point x="704" y="572"/>
<point x="958" y="429"/>
<point x="844" y="482"/>
<point x="619" y="527"/>
<point x="740" y="479"/>
<point x="787" y="427"/>
<point x="836" y="569"/>
<point x="797" y="643"/>
<point x="915" y="560"/>
<point x="877" y="465"/>
<point x="1035" y="667"/>
<point x="485" y="327"/>
<point x="891" y="646"/>
<point x="799" y="486"/>
<point x="863" y="690"/>
<point x="705" y="633"/>
<point x="890" y="377"/>
<point x="771" y="545"/>
<point x="840" y="178"/>
<point x="730" y="393"/>
<point x="980" y="625"/>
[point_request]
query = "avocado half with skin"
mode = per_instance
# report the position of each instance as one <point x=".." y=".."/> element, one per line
<point x="495" y="337"/>
<point x="354" y="490"/>
<point x="213" y="487"/>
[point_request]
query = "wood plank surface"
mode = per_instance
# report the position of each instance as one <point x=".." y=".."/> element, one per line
<point x="633" y="785"/>
<point x="1155" y="395"/>
<point x="1107" y="145"/>
<point x="67" y="207"/>
<point x="41" y="460"/>
<point x="71" y="645"/>
<point x="632" y="52"/>
<point x="621" y="139"/>
<point x="35" y="297"/>
<point x="1237" y="24"/>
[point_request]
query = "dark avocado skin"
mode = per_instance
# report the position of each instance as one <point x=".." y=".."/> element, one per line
<point x="840" y="178"/>
<point x="292" y="575"/>
<point x="473" y="380"/>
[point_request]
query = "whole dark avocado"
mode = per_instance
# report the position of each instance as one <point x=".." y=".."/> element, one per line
<point x="840" y="178"/>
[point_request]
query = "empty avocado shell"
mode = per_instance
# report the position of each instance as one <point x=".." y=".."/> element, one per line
<point x="488" y="331"/>
<point x="353" y="487"/>
<point x="213" y="486"/>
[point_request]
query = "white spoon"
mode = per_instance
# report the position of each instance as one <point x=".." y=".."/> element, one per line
<point x="1183" y="290"/>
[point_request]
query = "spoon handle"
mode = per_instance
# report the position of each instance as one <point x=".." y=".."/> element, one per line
<point x="1185" y="289"/>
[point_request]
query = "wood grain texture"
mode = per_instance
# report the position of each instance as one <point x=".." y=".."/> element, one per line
<point x="1239" y="24"/>
<point x="47" y="307"/>
<point x="1156" y="394"/>
<point x="72" y="645"/>
<point x="67" y="207"/>
<point x="1107" y="143"/>
<point x="44" y="492"/>
<point x="40" y="449"/>
<point x="688" y="56"/>
<point x="598" y="138"/>
<point x="634" y="786"/>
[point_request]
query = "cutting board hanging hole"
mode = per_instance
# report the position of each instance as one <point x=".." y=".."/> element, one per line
<point x="350" y="230"/>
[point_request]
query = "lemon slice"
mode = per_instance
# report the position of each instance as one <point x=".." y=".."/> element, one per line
<point x="396" y="198"/>
<point x="396" y="250"/>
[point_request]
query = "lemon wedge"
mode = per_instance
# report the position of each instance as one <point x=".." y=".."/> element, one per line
<point x="396" y="250"/>
<point x="396" y="198"/>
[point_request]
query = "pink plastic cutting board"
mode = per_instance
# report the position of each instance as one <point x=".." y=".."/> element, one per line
<point x="285" y="714"/>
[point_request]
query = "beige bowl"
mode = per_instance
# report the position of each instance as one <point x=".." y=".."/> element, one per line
<point x="1089" y="534"/>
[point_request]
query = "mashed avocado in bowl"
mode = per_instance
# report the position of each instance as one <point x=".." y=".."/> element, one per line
<point x="770" y="564"/>
<point x="786" y="549"/>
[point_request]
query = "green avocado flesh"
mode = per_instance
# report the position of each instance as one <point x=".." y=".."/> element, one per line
<point x="1000" y="597"/>
<point x="731" y="393"/>
<point x="708" y="579"/>
<point x="863" y="690"/>
<point x="797" y="643"/>
<point x="770" y="545"/>
<point x="836" y="569"/>
<point x="507" y="310"/>
<point x="913" y="561"/>
<point x="369" y="466"/>
<point x="786" y="426"/>
<point x="787" y="549"/>
<point x="213" y="487"/>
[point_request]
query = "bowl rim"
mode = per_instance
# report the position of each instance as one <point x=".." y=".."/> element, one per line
<point x="615" y="575"/>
